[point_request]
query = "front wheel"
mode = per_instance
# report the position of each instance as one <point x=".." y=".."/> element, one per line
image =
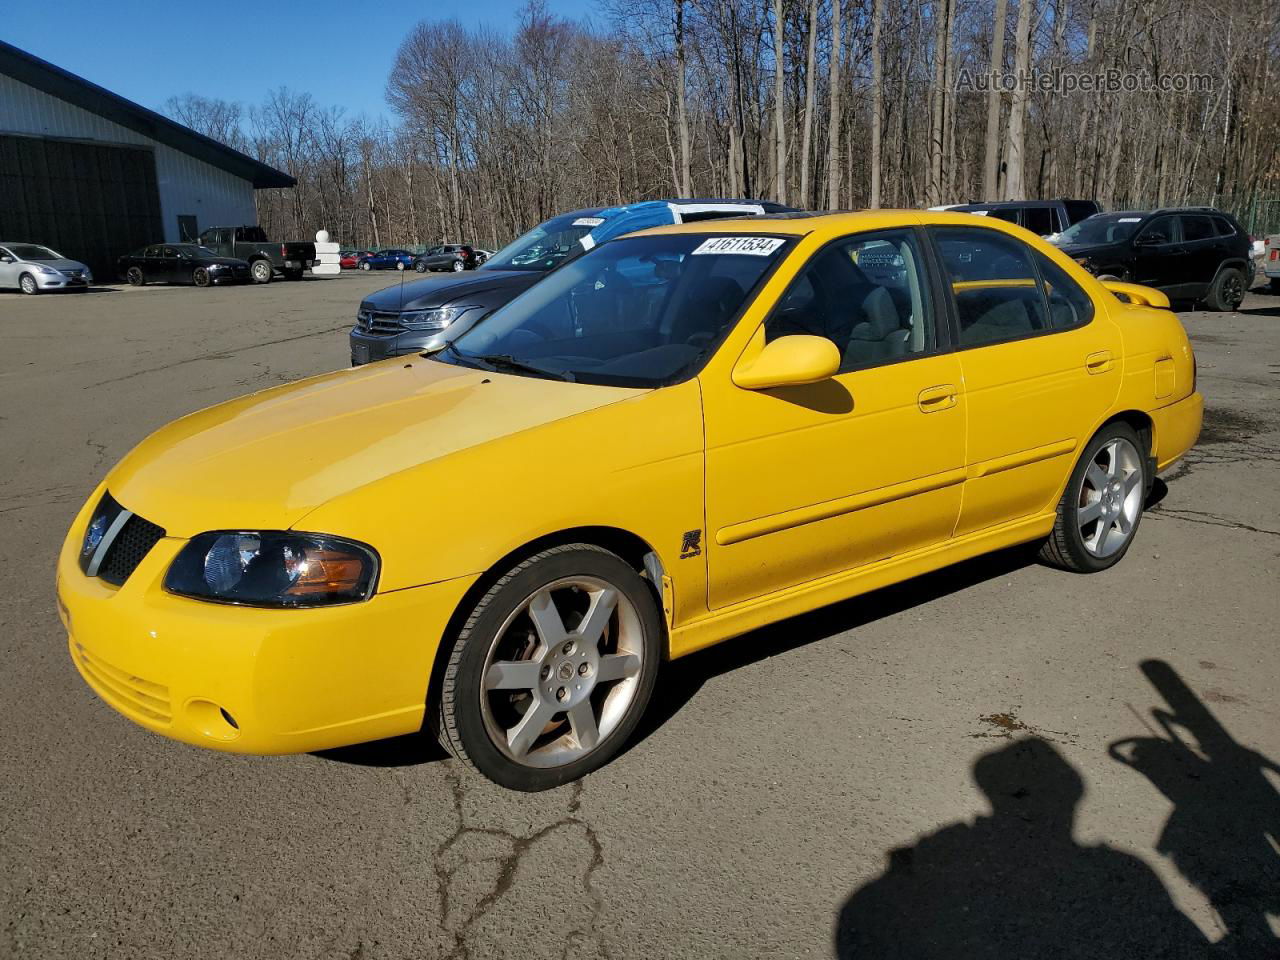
<point x="365" y="265"/>
<point x="200" y="277"/>
<point x="261" y="271"/>
<point x="420" y="267"/>
<point x="552" y="670"/>
<point x="1101" y="508"/>
<point x="1226" y="293"/>
<point x="27" y="284"/>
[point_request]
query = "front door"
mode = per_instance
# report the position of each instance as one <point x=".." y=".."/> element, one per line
<point x="8" y="271"/>
<point x="805" y="482"/>
<point x="1039" y="371"/>
<point x="1159" y="257"/>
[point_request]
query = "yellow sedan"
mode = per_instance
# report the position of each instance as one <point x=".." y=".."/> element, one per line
<point x="679" y="437"/>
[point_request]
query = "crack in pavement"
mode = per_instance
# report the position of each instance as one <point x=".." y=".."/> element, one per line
<point x="508" y="865"/>
<point x="1209" y="519"/>
<point x="222" y="355"/>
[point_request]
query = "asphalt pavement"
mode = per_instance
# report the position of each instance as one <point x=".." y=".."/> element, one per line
<point x="1056" y="765"/>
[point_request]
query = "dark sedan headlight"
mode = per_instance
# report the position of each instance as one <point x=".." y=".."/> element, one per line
<point x="273" y="568"/>
<point x="437" y="319"/>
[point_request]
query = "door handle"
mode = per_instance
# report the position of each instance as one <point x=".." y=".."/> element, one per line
<point x="1099" y="362"/>
<point x="933" y="399"/>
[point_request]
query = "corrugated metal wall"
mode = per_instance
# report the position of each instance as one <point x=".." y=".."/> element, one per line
<point x="89" y="201"/>
<point x="186" y="185"/>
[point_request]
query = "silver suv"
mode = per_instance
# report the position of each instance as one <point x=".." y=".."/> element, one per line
<point x="34" y="269"/>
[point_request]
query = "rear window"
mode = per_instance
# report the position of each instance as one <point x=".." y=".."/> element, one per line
<point x="1078" y="210"/>
<point x="1223" y="226"/>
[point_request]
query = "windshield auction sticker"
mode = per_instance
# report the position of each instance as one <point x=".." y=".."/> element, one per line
<point x="754" y="246"/>
<point x="588" y="221"/>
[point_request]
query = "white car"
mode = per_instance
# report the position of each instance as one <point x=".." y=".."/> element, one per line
<point x="34" y="269"/>
<point x="1271" y="262"/>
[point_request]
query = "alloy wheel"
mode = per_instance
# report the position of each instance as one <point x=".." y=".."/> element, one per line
<point x="1109" y="501"/>
<point x="562" y="672"/>
<point x="1233" y="289"/>
<point x="28" y="284"/>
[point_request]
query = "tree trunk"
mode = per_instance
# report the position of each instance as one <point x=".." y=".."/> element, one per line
<point x="877" y="99"/>
<point x="991" y="152"/>
<point x="779" y="107"/>
<point x="682" y="116"/>
<point x="810" y="75"/>
<point x="833" y="113"/>
<point x="1015" y="185"/>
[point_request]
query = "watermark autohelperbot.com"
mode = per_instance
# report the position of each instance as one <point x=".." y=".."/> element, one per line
<point x="1063" y="81"/>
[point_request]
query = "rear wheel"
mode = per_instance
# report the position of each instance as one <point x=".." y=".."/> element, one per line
<point x="135" y="277"/>
<point x="27" y="284"/>
<point x="261" y="270"/>
<point x="1101" y="508"/>
<point x="200" y="277"/>
<point x="420" y="267"/>
<point x="458" y="266"/>
<point x="365" y="265"/>
<point x="1226" y="293"/>
<point x="552" y="670"/>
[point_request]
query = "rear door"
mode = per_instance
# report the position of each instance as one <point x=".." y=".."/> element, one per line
<point x="1204" y="251"/>
<point x="1039" y="371"/>
<point x="8" y="271"/>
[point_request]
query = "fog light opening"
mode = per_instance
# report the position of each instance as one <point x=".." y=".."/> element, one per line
<point x="212" y="720"/>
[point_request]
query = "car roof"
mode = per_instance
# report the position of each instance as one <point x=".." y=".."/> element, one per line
<point x="801" y="223"/>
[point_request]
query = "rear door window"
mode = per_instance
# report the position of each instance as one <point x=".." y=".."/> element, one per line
<point x="1197" y="228"/>
<point x="993" y="284"/>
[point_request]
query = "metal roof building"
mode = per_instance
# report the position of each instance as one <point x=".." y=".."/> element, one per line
<point x="94" y="175"/>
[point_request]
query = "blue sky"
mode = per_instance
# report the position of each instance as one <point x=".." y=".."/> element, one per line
<point x="149" y="51"/>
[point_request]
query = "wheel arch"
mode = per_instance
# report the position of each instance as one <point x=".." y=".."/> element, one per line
<point x="1236" y="263"/>
<point x="1144" y="427"/>
<point x="632" y="548"/>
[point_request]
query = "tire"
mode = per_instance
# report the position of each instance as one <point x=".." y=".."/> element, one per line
<point x="261" y="271"/>
<point x="27" y="284"/>
<point x="365" y="265"/>
<point x="135" y="277"/>
<point x="1114" y="495"/>
<point x="458" y="266"/>
<point x="1226" y="293"/>
<point x="200" y="277"/>
<point x="489" y="729"/>
<point x="419" y="267"/>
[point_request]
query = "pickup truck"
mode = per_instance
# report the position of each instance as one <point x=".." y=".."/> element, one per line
<point x="266" y="258"/>
<point x="1271" y="262"/>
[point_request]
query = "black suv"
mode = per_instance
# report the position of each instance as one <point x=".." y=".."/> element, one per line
<point x="1193" y="253"/>
<point x="1042" y="217"/>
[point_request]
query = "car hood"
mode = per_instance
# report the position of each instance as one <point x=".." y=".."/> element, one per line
<point x="267" y="460"/>
<point x="1092" y="249"/>
<point x="58" y="264"/>
<point x="451" y="288"/>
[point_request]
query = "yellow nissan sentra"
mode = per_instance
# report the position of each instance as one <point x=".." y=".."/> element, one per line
<point x="678" y="437"/>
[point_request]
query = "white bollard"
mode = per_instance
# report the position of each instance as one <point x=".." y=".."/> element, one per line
<point x="327" y="261"/>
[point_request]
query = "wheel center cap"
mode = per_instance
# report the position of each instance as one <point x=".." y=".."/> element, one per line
<point x="565" y="671"/>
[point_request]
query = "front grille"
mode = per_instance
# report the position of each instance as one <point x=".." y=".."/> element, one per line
<point x="132" y="543"/>
<point x="132" y="693"/>
<point x="378" y="323"/>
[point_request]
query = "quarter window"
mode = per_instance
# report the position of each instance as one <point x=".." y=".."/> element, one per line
<point x="866" y="295"/>
<point x="1069" y="306"/>
<point x="994" y="286"/>
<point x="1197" y="228"/>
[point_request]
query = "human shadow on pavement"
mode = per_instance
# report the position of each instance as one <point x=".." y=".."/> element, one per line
<point x="1015" y="884"/>
<point x="1223" y="835"/>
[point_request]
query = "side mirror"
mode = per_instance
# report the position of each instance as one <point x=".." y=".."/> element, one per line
<point x="7" y="259"/>
<point x="790" y="361"/>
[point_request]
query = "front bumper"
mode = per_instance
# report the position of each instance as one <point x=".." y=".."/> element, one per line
<point x="62" y="282"/>
<point x="250" y="680"/>
<point x="370" y="348"/>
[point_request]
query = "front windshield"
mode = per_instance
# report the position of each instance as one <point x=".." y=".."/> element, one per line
<point x="1101" y="228"/>
<point x="32" y="251"/>
<point x="639" y="311"/>
<point x="547" y="245"/>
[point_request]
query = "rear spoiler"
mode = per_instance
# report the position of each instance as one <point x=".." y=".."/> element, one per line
<point x="1137" y="294"/>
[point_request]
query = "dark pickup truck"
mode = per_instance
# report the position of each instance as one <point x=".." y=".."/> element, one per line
<point x="265" y="257"/>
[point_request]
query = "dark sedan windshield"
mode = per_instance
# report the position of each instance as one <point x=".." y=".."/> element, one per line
<point x="639" y="311"/>
<point x="545" y="246"/>
<point x="1101" y="228"/>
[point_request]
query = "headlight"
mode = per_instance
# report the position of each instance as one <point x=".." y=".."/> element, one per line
<point x="273" y="568"/>
<point x="47" y="270"/>
<point x="436" y="319"/>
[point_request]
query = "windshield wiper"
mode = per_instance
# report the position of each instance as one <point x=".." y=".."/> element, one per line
<point x="504" y="361"/>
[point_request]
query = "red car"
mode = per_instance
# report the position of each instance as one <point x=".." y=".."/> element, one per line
<point x="350" y="259"/>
